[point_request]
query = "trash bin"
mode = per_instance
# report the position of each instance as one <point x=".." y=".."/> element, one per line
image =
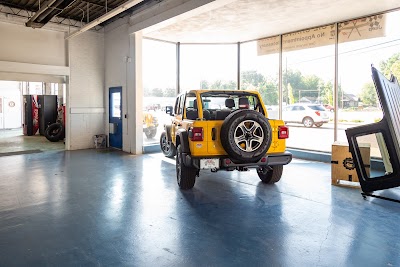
<point x="100" y="141"/>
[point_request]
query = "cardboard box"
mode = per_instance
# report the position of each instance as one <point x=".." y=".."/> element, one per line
<point x="343" y="168"/>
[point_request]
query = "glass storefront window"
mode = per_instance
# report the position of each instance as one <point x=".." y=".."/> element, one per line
<point x="208" y="66"/>
<point x="372" y="40"/>
<point x="308" y="69"/>
<point x="259" y="70"/>
<point x="308" y="82"/>
<point x="159" y="87"/>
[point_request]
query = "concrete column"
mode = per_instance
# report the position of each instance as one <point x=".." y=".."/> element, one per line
<point x="67" y="122"/>
<point x="135" y="93"/>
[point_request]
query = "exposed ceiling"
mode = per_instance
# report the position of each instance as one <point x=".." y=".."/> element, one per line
<point x="68" y="12"/>
<point x="244" y="20"/>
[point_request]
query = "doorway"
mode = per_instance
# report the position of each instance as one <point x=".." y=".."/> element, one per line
<point x="115" y="117"/>
<point x="14" y="138"/>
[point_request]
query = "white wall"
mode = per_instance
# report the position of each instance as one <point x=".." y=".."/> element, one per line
<point x="10" y="115"/>
<point x="36" y="46"/>
<point x="28" y="54"/>
<point x="85" y="97"/>
<point x="116" y="53"/>
<point x="120" y="70"/>
<point x="44" y="55"/>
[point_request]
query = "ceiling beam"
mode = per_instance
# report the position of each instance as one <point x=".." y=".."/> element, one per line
<point x="108" y="15"/>
<point x="44" y="7"/>
<point x="93" y="2"/>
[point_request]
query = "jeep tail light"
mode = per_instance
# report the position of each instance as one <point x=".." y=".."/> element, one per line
<point x="196" y="134"/>
<point x="283" y="132"/>
<point x="318" y="113"/>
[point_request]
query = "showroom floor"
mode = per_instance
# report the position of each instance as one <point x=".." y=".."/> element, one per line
<point x="108" y="208"/>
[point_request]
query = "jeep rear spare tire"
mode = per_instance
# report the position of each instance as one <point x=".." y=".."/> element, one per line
<point x="246" y="135"/>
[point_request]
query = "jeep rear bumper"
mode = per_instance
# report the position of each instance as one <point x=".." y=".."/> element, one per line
<point x="225" y="163"/>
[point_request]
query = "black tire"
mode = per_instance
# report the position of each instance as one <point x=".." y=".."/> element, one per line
<point x="167" y="147"/>
<point x="55" y="132"/>
<point x="318" y="124"/>
<point x="246" y="135"/>
<point x="270" y="176"/>
<point x="185" y="176"/>
<point x="308" y="122"/>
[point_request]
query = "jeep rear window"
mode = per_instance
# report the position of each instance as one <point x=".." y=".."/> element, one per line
<point x="219" y="100"/>
<point x="228" y="102"/>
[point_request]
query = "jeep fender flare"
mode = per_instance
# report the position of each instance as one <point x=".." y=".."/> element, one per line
<point x="182" y="139"/>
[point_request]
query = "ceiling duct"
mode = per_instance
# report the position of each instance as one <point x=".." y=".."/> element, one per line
<point x="118" y="10"/>
<point x="48" y="10"/>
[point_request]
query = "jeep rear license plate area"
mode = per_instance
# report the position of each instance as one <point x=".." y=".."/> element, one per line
<point x="209" y="163"/>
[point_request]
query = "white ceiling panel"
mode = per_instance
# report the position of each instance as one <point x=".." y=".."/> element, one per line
<point x="244" y="20"/>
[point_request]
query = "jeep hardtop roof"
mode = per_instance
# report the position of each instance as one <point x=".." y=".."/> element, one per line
<point x="218" y="91"/>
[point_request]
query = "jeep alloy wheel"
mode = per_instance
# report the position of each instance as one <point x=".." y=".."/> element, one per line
<point x="246" y="135"/>
<point x="167" y="147"/>
<point x="249" y="135"/>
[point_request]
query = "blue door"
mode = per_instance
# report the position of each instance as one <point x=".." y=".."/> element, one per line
<point x="115" y="117"/>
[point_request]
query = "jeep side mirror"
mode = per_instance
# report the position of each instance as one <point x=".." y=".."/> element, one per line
<point x="169" y="110"/>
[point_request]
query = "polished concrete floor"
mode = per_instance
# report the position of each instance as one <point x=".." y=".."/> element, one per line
<point x="108" y="208"/>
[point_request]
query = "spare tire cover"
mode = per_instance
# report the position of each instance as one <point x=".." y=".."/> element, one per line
<point x="246" y="135"/>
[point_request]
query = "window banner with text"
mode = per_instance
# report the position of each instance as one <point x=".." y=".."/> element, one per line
<point x="310" y="38"/>
<point x="353" y="30"/>
<point x="268" y="45"/>
<point x="360" y="29"/>
<point x="297" y="40"/>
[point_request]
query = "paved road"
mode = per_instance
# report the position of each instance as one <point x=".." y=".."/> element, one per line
<point x="321" y="139"/>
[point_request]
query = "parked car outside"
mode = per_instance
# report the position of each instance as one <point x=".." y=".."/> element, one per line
<point x="329" y="107"/>
<point x="306" y="114"/>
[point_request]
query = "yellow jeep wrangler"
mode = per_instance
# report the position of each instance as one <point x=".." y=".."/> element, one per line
<point x="224" y="130"/>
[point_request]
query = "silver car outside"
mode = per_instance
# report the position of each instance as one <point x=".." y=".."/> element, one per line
<point x="307" y="114"/>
